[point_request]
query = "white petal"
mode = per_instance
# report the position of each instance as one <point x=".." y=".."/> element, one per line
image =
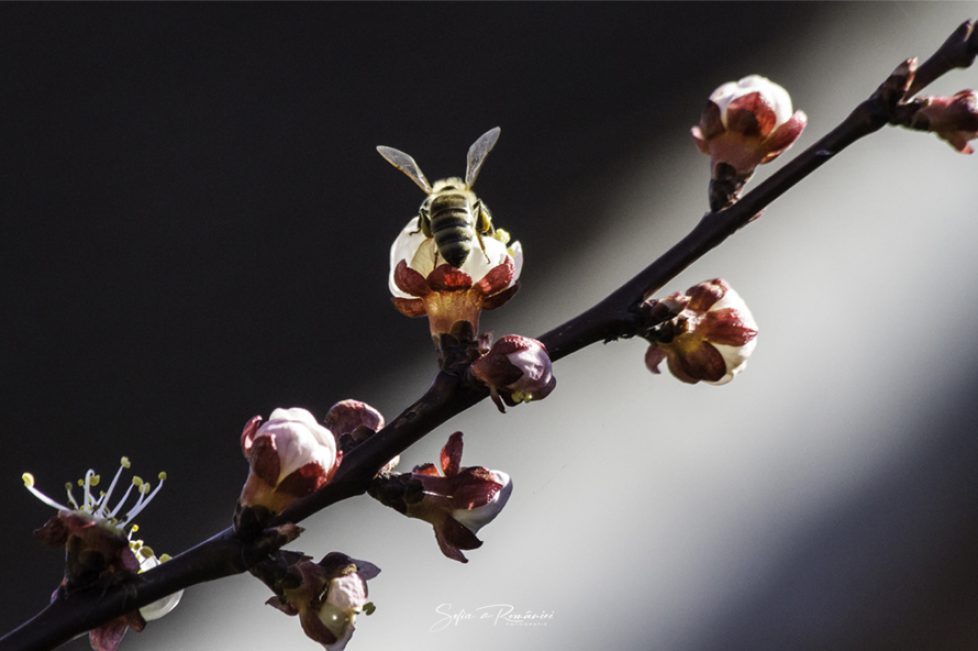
<point x="299" y="439"/>
<point x="160" y="607"/>
<point x="404" y="248"/>
<point x="420" y="253"/>
<point x="475" y="519"/>
<point x="479" y="262"/>
<point x="347" y="592"/>
<point x="775" y="94"/>
<point x="517" y="252"/>
<point x="735" y="358"/>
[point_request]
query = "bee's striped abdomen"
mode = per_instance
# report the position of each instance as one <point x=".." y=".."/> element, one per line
<point x="451" y="225"/>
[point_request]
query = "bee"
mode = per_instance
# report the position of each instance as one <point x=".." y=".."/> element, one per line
<point x="451" y="213"/>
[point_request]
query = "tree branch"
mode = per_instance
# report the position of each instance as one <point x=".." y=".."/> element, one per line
<point x="615" y="317"/>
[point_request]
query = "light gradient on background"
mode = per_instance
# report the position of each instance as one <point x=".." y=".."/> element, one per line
<point x="644" y="510"/>
<point x="802" y="506"/>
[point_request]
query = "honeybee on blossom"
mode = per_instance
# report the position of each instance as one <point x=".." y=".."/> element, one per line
<point x="452" y="214"/>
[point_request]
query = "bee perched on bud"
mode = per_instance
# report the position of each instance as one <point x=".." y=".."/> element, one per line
<point x="451" y="213"/>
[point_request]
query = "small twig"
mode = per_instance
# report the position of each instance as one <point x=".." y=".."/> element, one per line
<point x="614" y="317"/>
<point x="958" y="51"/>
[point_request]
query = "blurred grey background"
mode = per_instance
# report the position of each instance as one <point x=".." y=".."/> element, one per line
<point x="195" y="228"/>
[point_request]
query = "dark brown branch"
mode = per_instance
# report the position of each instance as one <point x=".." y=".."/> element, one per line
<point x="958" y="51"/>
<point x="614" y="317"/>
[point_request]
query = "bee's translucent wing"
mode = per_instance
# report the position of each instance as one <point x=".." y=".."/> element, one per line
<point x="406" y="164"/>
<point x="477" y="154"/>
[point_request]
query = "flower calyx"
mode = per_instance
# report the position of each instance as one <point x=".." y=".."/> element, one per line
<point x="457" y="503"/>
<point x="423" y="284"/>
<point x="706" y="334"/>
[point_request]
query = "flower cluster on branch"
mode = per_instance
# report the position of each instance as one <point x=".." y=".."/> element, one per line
<point x="449" y="263"/>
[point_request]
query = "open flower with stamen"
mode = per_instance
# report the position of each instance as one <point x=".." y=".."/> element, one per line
<point x="706" y="334"/>
<point x="290" y="456"/>
<point x="423" y="283"/>
<point x="746" y="123"/>
<point x="98" y="551"/>
<point x="327" y="596"/>
<point x="96" y="502"/>
<point x="457" y="503"/>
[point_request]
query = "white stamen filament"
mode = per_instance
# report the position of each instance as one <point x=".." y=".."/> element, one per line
<point x="144" y="500"/>
<point x="29" y="485"/>
<point x="124" y="463"/>
<point x="125" y="496"/>
<point x="86" y="493"/>
<point x="71" y="497"/>
<point x="99" y="507"/>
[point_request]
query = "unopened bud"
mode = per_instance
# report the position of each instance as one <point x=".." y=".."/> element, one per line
<point x="516" y="369"/>
<point x="747" y="123"/>
<point x="710" y="339"/>
<point x="290" y="456"/>
<point x="954" y="119"/>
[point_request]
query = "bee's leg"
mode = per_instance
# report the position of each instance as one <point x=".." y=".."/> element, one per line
<point x="424" y="222"/>
<point x="484" y="225"/>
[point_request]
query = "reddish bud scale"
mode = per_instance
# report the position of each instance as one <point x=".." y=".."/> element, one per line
<point x="954" y="119"/>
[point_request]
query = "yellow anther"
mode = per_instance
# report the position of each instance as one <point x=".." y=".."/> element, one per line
<point x="81" y="482"/>
<point x="28" y="479"/>
<point x="502" y="235"/>
<point x="146" y="552"/>
<point x="68" y="485"/>
<point x="137" y="481"/>
<point x="162" y="476"/>
<point x="94" y="480"/>
<point x="134" y="528"/>
<point x="144" y="488"/>
<point x="164" y="558"/>
<point x="124" y="462"/>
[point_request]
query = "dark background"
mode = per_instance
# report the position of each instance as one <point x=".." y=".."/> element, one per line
<point x="194" y="229"/>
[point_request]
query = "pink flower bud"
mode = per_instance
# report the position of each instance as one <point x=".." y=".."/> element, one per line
<point x="327" y="596"/>
<point x="954" y="119"/>
<point x="290" y="456"/>
<point x="516" y="369"/>
<point x="457" y="503"/>
<point x="747" y="123"/>
<point x="420" y="285"/>
<point x="353" y="422"/>
<point x="709" y="338"/>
